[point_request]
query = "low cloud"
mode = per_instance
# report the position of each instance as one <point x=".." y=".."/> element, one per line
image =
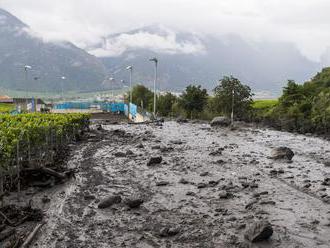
<point x="168" y="44"/>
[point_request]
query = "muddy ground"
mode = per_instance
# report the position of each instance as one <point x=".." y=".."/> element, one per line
<point x="210" y="186"/>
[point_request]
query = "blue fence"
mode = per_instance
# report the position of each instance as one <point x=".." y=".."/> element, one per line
<point x="104" y="106"/>
<point x="133" y="109"/>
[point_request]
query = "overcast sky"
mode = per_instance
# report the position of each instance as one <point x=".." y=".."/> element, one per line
<point x="84" y="22"/>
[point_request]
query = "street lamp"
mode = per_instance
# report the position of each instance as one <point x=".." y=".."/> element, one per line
<point x="130" y="68"/>
<point x="232" y="106"/>
<point x="62" y="82"/>
<point x="26" y="69"/>
<point x="111" y="79"/>
<point x="155" y="60"/>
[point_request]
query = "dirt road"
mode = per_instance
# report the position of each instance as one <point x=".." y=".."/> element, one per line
<point x="210" y="186"/>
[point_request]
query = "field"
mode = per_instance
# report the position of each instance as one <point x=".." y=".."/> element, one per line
<point x="264" y="104"/>
<point x="6" y="107"/>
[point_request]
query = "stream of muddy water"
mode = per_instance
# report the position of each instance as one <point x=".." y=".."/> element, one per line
<point x="210" y="186"/>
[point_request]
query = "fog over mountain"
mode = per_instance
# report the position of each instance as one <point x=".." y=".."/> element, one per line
<point x="50" y="61"/>
<point x="190" y="58"/>
<point x="184" y="58"/>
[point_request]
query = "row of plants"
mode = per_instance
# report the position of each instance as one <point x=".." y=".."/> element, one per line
<point x="35" y="140"/>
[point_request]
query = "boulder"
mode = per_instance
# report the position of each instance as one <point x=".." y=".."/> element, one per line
<point x="220" y="121"/>
<point x="259" y="231"/>
<point x="134" y="202"/>
<point x="109" y="201"/>
<point x="282" y="153"/>
<point x="154" y="161"/>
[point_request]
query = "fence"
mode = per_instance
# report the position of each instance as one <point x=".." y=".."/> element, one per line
<point x="104" y="106"/>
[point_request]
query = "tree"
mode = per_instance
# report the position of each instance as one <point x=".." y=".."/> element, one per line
<point x="142" y="97"/>
<point x="165" y="104"/>
<point x="224" y="97"/>
<point x="193" y="100"/>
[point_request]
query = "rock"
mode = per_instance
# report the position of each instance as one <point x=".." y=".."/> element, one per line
<point x="140" y="145"/>
<point x="201" y="185"/>
<point x="134" y="202"/>
<point x="99" y="127"/>
<point x="181" y="120"/>
<point x="89" y="197"/>
<point x="327" y="163"/>
<point x="119" y="154"/>
<point x="223" y="194"/>
<point x="176" y="142"/>
<point x="108" y="202"/>
<point x="154" y="161"/>
<point x="220" y="121"/>
<point x="129" y="153"/>
<point x="213" y="183"/>
<point x="183" y="181"/>
<point x="282" y="153"/>
<point x="204" y="174"/>
<point x="259" y="231"/>
<point x="162" y="183"/>
<point x="169" y="231"/>
<point x="45" y="199"/>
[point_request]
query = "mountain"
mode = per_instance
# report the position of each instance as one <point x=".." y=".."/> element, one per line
<point x="186" y="58"/>
<point x="49" y="61"/>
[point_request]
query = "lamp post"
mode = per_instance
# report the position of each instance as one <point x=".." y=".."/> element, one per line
<point x="232" y="106"/>
<point x="62" y="82"/>
<point x="111" y="79"/>
<point x="26" y="69"/>
<point x="130" y="68"/>
<point x="155" y="60"/>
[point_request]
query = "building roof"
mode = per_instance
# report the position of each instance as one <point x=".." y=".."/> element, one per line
<point x="6" y="99"/>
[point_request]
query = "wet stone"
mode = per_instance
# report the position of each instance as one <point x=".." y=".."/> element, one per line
<point x="259" y="231"/>
<point x="201" y="185"/>
<point x="162" y="183"/>
<point x="134" y="202"/>
<point x="108" y="202"/>
<point x="169" y="231"/>
<point x="223" y="194"/>
<point x="204" y="174"/>
<point x="154" y="161"/>
<point x="282" y="153"/>
<point x="183" y="181"/>
<point x="119" y="154"/>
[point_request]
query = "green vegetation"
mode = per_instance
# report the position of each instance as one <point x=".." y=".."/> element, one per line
<point x="195" y="102"/>
<point x="302" y="108"/>
<point x="36" y="137"/>
<point x="264" y="104"/>
<point x="6" y="107"/>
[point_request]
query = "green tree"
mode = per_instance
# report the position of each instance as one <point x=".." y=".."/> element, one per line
<point x="231" y="89"/>
<point x="193" y="100"/>
<point x="142" y="97"/>
<point x="165" y="104"/>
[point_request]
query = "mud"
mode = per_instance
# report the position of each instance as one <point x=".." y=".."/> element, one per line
<point x="209" y="187"/>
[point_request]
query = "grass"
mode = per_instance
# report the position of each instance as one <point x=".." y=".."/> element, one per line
<point x="264" y="104"/>
<point x="6" y="107"/>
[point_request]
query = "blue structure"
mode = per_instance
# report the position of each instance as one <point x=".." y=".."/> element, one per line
<point x="104" y="106"/>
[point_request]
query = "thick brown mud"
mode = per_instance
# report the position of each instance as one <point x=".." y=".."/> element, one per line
<point x="210" y="186"/>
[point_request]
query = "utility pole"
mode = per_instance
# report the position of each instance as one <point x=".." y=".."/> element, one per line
<point x="26" y="68"/>
<point x="62" y="90"/>
<point x="232" y="106"/>
<point x="130" y="68"/>
<point x="155" y="60"/>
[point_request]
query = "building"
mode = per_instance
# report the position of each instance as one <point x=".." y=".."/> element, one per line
<point x="29" y="104"/>
<point x="6" y="99"/>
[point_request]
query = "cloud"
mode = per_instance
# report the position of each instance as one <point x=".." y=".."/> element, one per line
<point x="168" y="43"/>
<point x="85" y="22"/>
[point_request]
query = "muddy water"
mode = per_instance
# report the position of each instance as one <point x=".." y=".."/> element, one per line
<point x="211" y="162"/>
